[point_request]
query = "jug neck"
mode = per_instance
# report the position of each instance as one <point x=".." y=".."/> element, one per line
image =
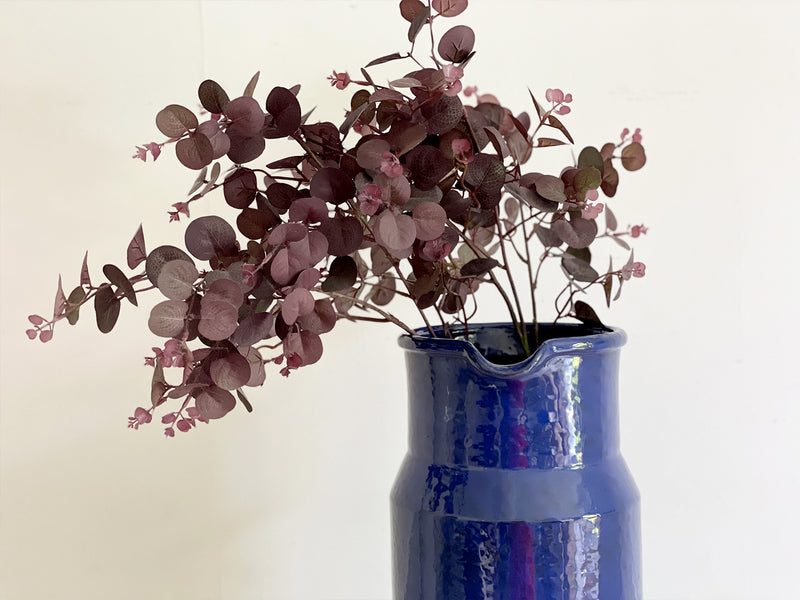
<point x="555" y="410"/>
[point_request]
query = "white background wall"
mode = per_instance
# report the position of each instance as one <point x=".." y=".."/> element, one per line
<point x="290" y="502"/>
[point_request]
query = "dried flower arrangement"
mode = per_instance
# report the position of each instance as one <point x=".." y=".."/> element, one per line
<point x="428" y="202"/>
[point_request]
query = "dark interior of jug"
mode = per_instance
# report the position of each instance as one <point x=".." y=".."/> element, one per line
<point x="501" y="345"/>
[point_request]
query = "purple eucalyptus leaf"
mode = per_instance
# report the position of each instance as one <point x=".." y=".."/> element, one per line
<point x="240" y="188"/>
<point x="176" y="279"/>
<point x="342" y="274"/>
<point x="457" y="43"/>
<point x="230" y="372"/>
<point x="449" y="8"/>
<point x="220" y="142"/>
<point x="611" y="219"/>
<point x="244" y="149"/>
<point x="225" y="290"/>
<point x="175" y="120"/>
<point x="168" y="318"/>
<point x="106" y="308"/>
<point x="410" y="8"/>
<point x="442" y="114"/>
<point x="430" y="220"/>
<point x="287" y="232"/>
<point x="332" y="185"/>
<point x="209" y="237"/>
<point x="343" y="233"/>
<point x="136" y="253"/>
<point x="253" y="329"/>
<point x="306" y="345"/>
<point x="308" y="210"/>
<point x="282" y="104"/>
<point x="418" y="23"/>
<point x="213" y="402"/>
<point x="281" y="195"/>
<point x="254" y="223"/>
<point x="194" y="152"/>
<point x="478" y="267"/>
<point x="246" y="117"/>
<point x="579" y="233"/>
<point x="297" y="303"/>
<point x="161" y="256"/>
<point x="485" y="175"/>
<point x="579" y="269"/>
<point x="633" y="157"/>
<point x="257" y="372"/>
<point x="428" y="166"/>
<point x="322" y="319"/>
<point x="370" y="154"/>
<point x="217" y="319"/>
<point x="212" y="97"/>
<point x="118" y="278"/>
<point x="610" y="180"/>
<point x="396" y="232"/>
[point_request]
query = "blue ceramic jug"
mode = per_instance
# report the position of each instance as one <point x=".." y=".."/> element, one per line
<point x="513" y="487"/>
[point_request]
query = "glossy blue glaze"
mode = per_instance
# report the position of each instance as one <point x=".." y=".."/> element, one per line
<point x="513" y="487"/>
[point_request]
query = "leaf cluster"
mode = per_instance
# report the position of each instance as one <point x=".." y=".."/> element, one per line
<point x="418" y="193"/>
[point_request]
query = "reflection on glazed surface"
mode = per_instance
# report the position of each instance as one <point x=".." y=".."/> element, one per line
<point x="513" y="487"/>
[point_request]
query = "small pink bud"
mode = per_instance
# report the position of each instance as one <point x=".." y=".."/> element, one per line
<point x="470" y="89"/>
<point x="35" y="319"/>
<point x="638" y="230"/>
<point x="141" y="153"/>
<point x="554" y="95"/>
<point x="155" y="149"/>
<point x="624" y="133"/>
<point x="31" y="333"/>
<point x="46" y="335"/>
<point x="168" y="418"/>
<point x="184" y="425"/>
<point x="638" y="269"/>
<point x="169" y="432"/>
<point x="340" y="80"/>
<point x="637" y="135"/>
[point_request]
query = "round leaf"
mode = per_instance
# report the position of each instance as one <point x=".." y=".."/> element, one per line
<point x="285" y="110"/>
<point x="240" y="188"/>
<point x="106" y="308"/>
<point x="457" y="43"/>
<point x="230" y="372"/>
<point x="322" y="319"/>
<point x="175" y="120"/>
<point x="161" y="256"/>
<point x="343" y="273"/>
<point x="395" y="232"/>
<point x="244" y="149"/>
<point x="430" y="220"/>
<point x="217" y="319"/>
<point x="214" y="402"/>
<point x="195" y="152"/>
<point x="579" y="233"/>
<point x="168" y="318"/>
<point x="253" y="329"/>
<point x="344" y="234"/>
<point x="208" y="237"/>
<point x="633" y="156"/>
<point x="254" y="223"/>
<point x="176" y="279"/>
<point x="332" y="185"/>
<point x="212" y="96"/>
<point x="305" y="344"/>
<point x="449" y="8"/>
<point x="370" y="153"/>
<point x="246" y="116"/>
